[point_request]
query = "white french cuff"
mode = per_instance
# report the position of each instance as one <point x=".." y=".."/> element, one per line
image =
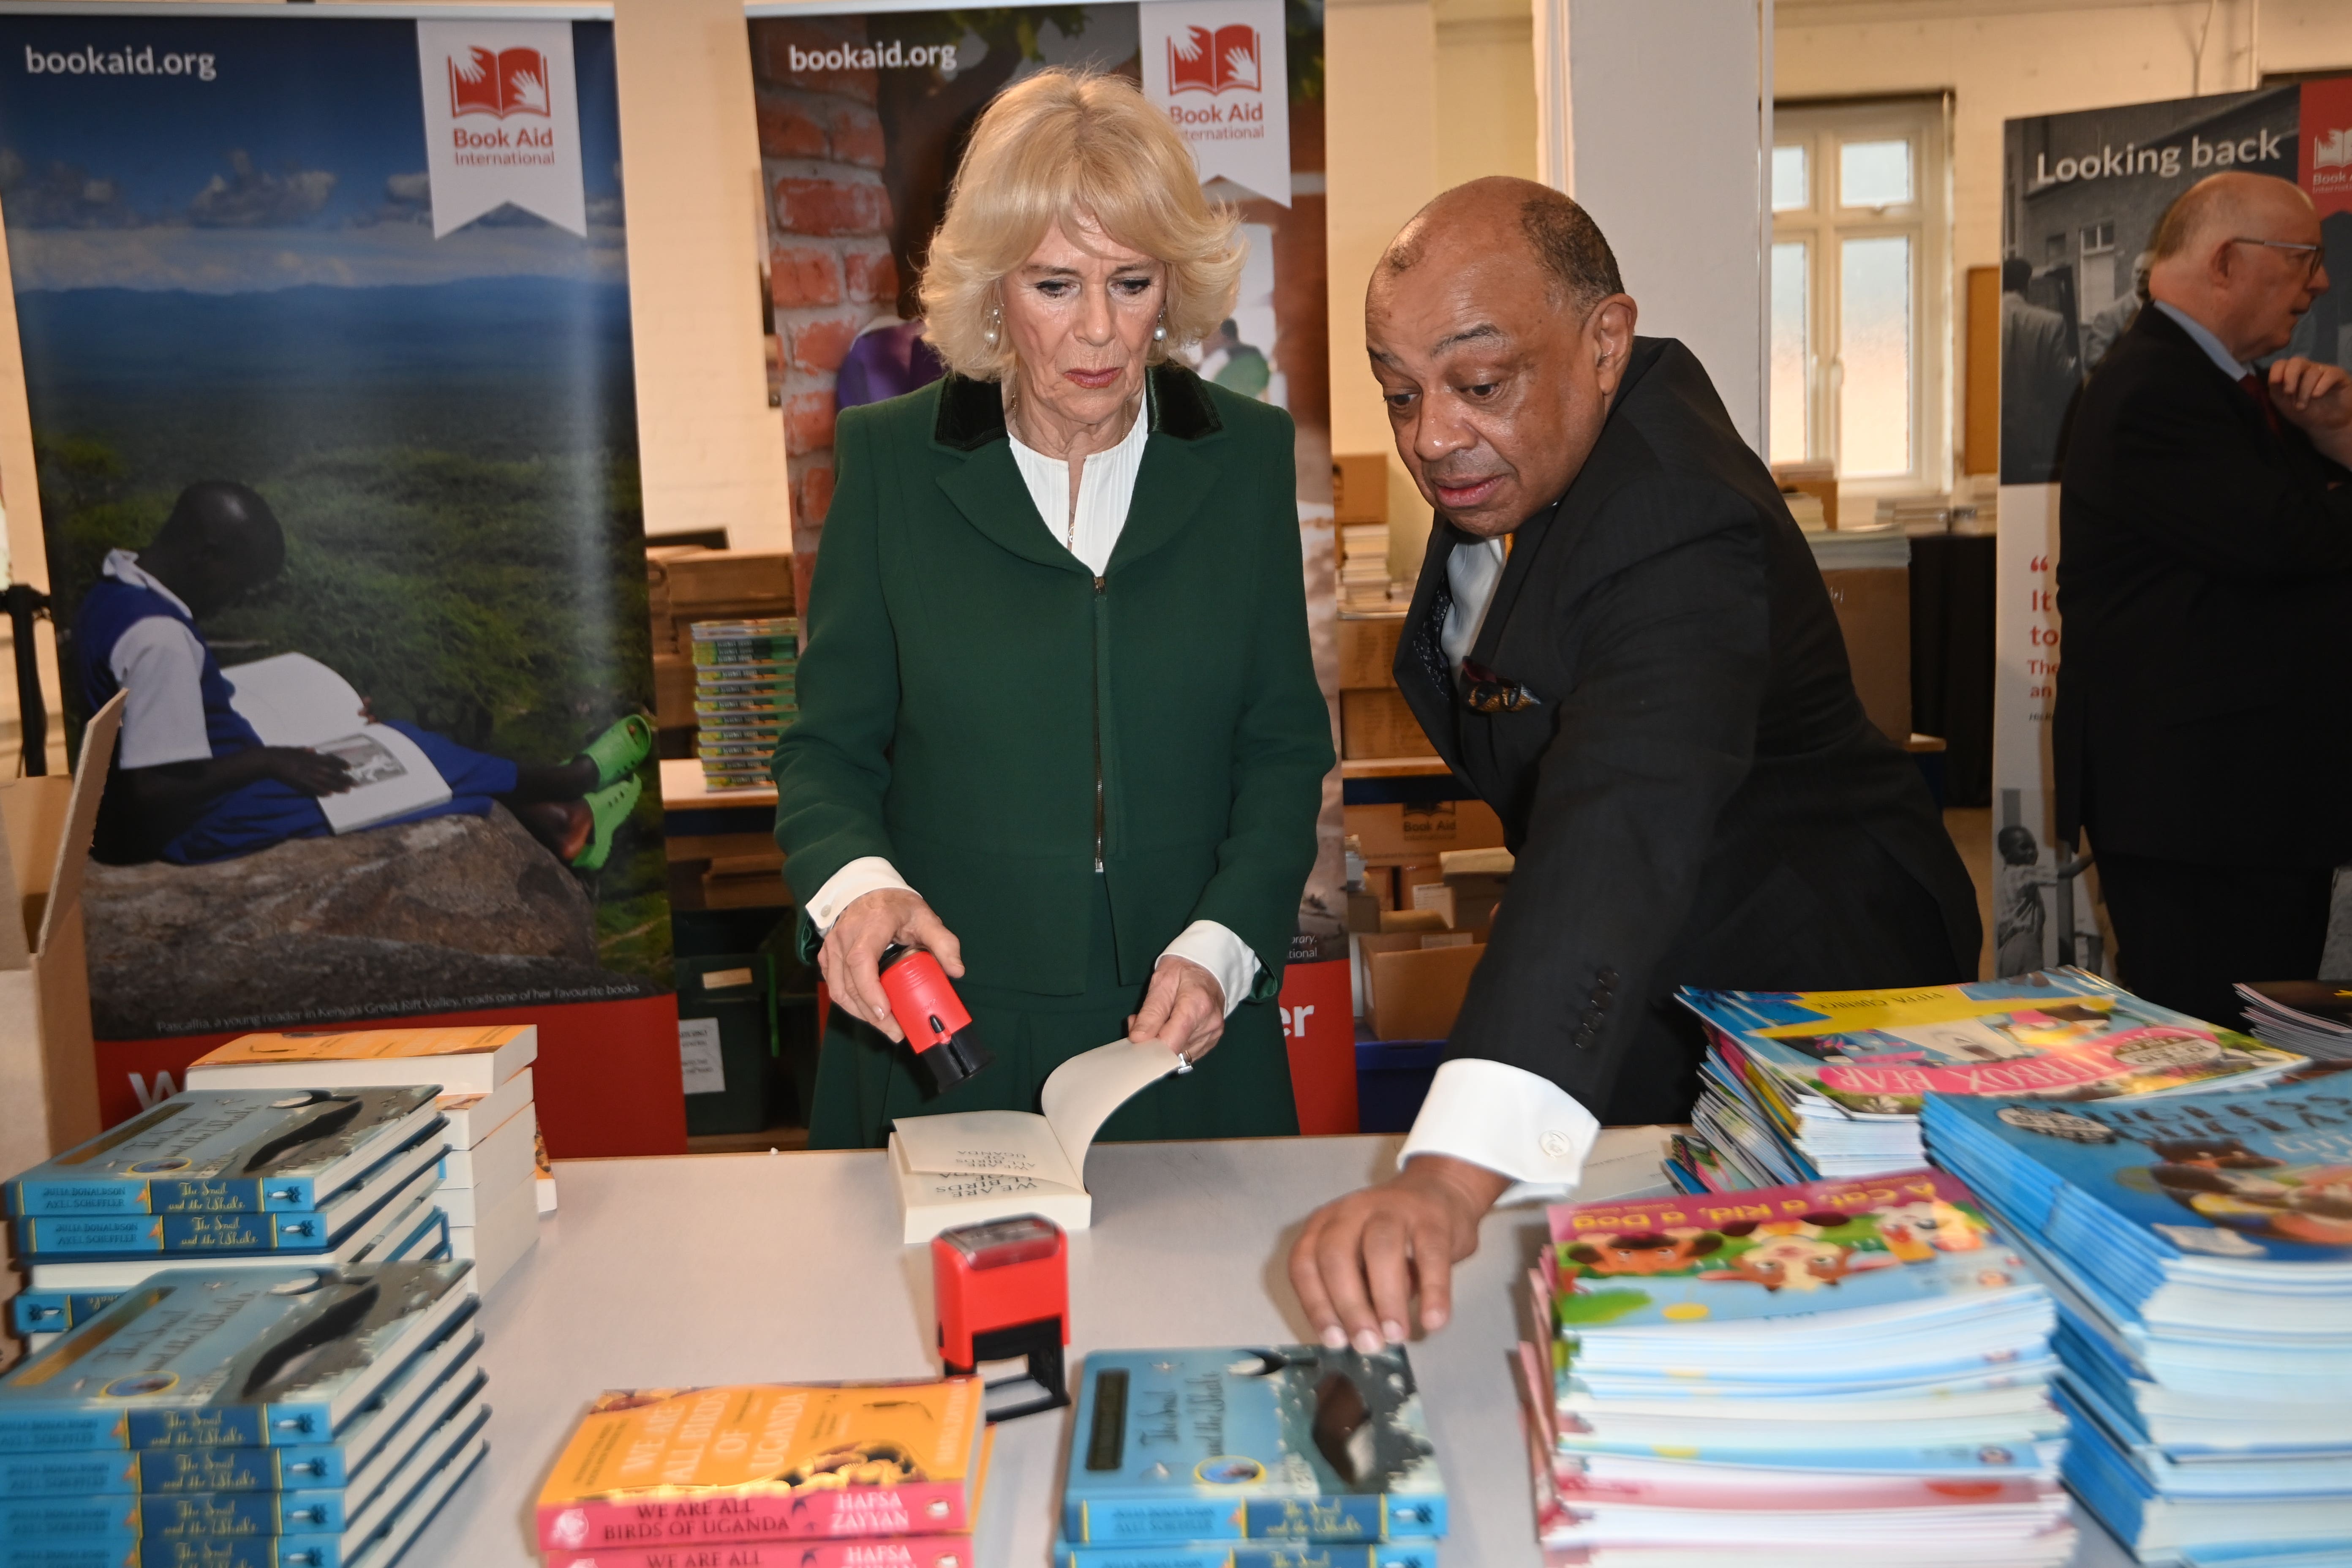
<point x="1224" y="955"/>
<point x="867" y="873"/>
<point x="1507" y="1120"/>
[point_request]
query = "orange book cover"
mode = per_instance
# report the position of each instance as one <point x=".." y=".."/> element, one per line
<point x="694" y="1467"/>
<point x="360" y="1045"/>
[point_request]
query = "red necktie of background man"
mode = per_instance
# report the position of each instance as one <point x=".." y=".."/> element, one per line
<point x="2257" y="387"/>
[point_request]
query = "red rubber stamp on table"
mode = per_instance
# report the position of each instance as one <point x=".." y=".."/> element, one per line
<point x="944" y="1037"/>
<point x="1004" y="1292"/>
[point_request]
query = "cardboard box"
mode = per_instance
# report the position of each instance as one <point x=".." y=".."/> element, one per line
<point x="673" y="692"/>
<point x="1395" y="834"/>
<point x="1417" y="992"/>
<point x="1368" y="650"/>
<point x="1379" y="724"/>
<point x="1873" y="611"/>
<point x="1359" y="487"/>
<point x="48" y="1067"/>
<point x="730" y="577"/>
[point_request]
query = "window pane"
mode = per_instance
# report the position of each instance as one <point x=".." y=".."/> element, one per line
<point x="1875" y="349"/>
<point x="1873" y="174"/>
<point x="1790" y="188"/>
<point x="1792" y="432"/>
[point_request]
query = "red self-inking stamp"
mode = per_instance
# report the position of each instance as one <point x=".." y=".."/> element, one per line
<point x="945" y="1040"/>
<point x="1005" y="1293"/>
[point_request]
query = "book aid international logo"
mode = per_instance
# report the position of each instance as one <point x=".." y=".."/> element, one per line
<point x="1220" y="71"/>
<point x="2323" y="163"/>
<point x="501" y="122"/>
<point x="497" y="83"/>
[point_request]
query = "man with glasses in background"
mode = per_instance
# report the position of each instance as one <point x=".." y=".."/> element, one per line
<point x="2204" y="716"/>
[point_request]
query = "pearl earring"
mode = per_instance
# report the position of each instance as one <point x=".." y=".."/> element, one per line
<point x="995" y="320"/>
<point x="1160" y="333"/>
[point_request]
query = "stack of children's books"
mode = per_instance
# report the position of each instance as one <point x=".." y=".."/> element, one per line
<point x="228" y="1179"/>
<point x="839" y="1475"/>
<point x="1803" y="1086"/>
<point x="1265" y="1456"/>
<point x="2200" y="1252"/>
<point x="2312" y="1016"/>
<point x="743" y="696"/>
<point x="495" y="1183"/>
<point x="1840" y="1373"/>
<point x="297" y="1417"/>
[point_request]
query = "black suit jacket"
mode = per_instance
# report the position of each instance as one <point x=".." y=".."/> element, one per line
<point x="2205" y="582"/>
<point x="1697" y="797"/>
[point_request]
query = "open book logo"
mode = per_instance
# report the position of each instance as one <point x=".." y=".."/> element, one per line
<point x="2332" y="150"/>
<point x="1202" y="60"/>
<point x="499" y="82"/>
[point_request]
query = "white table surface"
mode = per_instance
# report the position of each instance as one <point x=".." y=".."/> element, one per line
<point x="717" y="1269"/>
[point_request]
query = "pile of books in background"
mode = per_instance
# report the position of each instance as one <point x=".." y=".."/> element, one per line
<point x="744" y="695"/>
<point x="2200" y="1251"/>
<point x="1313" y="1455"/>
<point x="1817" y="1376"/>
<point x="309" y="1417"/>
<point x="1808" y="490"/>
<point x="256" y="1179"/>
<point x="495" y="1183"/>
<point x="1364" y="567"/>
<point x="2312" y="1017"/>
<point x="1801" y="1086"/>
<point x="847" y="1475"/>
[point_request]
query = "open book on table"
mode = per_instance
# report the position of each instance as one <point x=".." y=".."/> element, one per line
<point x="972" y="1166"/>
<point x="292" y="700"/>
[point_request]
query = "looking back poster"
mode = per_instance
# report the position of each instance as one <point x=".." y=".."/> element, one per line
<point x="2081" y="196"/>
<point x="325" y="325"/>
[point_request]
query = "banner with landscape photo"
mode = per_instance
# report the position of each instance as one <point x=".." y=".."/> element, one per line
<point x="371" y="271"/>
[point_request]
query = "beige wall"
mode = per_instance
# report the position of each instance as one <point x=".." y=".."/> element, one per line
<point x="1423" y="95"/>
<point x="2007" y="59"/>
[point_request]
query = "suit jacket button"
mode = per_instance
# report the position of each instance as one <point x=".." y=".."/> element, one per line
<point x="1602" y="995"/>
<point x="1607" y="976"/>
<point x="1585" y="1038"/>
<point x="1593" y="1018"/>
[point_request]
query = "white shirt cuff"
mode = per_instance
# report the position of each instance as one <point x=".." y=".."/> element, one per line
<point x="1507" y="1120"/>
<point x="1216" y="949"/>
<point x="867" y="873"/>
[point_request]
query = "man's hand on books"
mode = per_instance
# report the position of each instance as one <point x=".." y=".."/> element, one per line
<point x="852" y="951"/>
<point x="1358" y="1262"/>
<point x="1184" y="1009"/>
<point x="301" y="768"/>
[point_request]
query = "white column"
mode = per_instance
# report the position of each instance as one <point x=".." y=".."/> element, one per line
<point x="1665" y="136"/>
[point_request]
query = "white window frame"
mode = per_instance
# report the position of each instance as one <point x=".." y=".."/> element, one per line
<point x="1925" y="220"/>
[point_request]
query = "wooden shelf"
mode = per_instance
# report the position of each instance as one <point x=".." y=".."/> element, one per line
<point x="1393" y="768"/>
<point x="683" y="789"/>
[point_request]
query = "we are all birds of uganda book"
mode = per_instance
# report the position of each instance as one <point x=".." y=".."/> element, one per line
<point x="695" y="1467"/>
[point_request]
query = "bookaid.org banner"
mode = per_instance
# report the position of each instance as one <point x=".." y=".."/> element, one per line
<point x="863" y="114"/>
<point x="2082" y="194"/>
<point x="325" y="336"/>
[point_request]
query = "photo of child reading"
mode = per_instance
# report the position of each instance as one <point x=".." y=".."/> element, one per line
<point x="217" y="763"/>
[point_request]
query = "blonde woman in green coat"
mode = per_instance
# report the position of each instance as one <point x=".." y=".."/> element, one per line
<point x="1058" y="723"/>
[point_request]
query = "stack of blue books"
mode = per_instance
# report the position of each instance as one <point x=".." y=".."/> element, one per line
<point x="1273" y="1457"/>
<point x="2199" y="1247"/>
<point x="282" y="1417"/>
<point x="230" y="1179"/>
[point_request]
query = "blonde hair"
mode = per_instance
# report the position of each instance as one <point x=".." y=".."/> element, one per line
<point x="1061" y="147"/>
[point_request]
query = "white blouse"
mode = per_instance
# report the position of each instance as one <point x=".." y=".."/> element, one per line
<point x="1105" y="489"/>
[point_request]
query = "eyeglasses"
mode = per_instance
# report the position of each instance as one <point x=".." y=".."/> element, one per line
<point x="2313" y="255"/>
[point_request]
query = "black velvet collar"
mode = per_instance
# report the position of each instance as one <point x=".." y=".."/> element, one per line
<point x="972" y="412"/>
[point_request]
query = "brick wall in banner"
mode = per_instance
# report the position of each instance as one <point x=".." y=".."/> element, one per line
<point x="830" y="267"/>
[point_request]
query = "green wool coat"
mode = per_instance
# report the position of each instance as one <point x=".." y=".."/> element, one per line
<point x="1002" y="725"/>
